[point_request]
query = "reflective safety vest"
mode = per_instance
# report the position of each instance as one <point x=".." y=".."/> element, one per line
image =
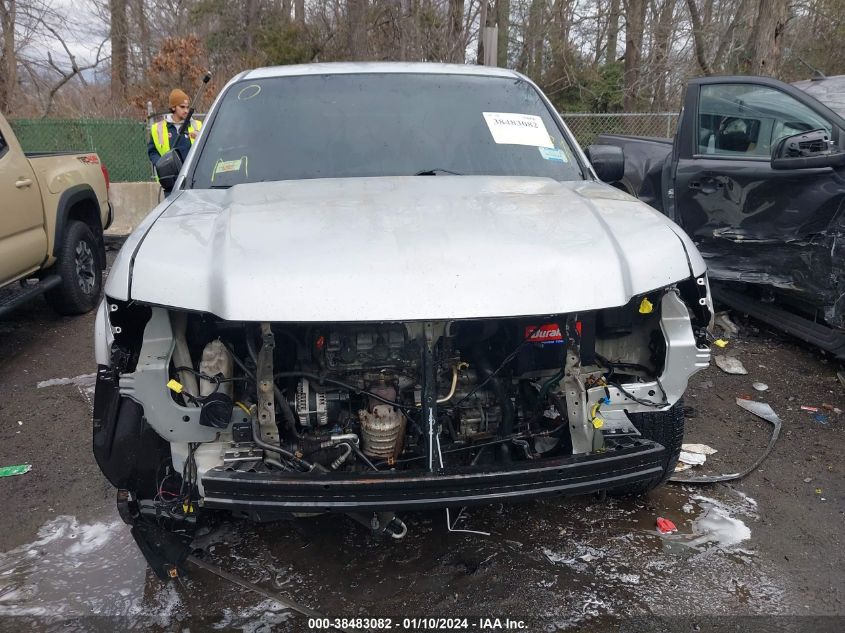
<point x="162" y="140"/>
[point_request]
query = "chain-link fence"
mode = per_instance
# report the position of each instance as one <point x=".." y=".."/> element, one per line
<point x="587" y="126"/>
<point x="122" y="143"/>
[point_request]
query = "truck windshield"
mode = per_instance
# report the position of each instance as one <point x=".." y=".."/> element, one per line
<point x="386" y="124"/>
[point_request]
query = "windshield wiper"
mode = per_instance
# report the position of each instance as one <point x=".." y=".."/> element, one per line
<point x="220" y="186"/>
<point x="435" y="171"/>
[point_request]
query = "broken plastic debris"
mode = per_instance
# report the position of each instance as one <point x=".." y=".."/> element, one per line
<point x="681" y="467"/>
<point x="703" y="449"/>
<point x="730" y="365"/>
<point x="760" y="409"/>
<point x="724" y="321"/>
<point x="8" y="471"/>
<point x="810" y="409"/>
<point x="720" y="343"/>
<point x="820" y="418"/>
<point x="818" y="491"/>
<point x="665" y="526"/>
<point x="693" y="459"/>
<point x="807" y="480"/>
<point x="646" y="307"/>
<point x="760" y="386"/>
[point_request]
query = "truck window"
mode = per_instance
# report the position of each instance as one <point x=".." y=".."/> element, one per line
<point x="748" y="120"/>
<point x="3" y="146"/>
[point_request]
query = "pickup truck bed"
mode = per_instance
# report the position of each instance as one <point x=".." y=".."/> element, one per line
<point x="645" y="159"/>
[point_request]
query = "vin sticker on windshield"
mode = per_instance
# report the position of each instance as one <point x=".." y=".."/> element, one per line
<point x="553" y="153"/>
<point x="509" y="128"/>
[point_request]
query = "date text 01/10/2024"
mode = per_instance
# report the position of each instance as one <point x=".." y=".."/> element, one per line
<point x="417" y="624"/>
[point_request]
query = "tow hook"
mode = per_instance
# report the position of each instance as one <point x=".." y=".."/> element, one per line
<point x="382" y="523"/>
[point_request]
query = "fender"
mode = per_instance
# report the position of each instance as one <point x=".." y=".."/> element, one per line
<point x="69" y="198"/>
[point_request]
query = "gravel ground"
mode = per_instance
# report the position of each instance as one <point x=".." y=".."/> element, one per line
<point x="762" y="554"/>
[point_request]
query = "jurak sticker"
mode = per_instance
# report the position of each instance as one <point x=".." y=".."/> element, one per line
<point x="547" y="334"/>
<point x="553" y="153"/>
<point x="509" y="128"/>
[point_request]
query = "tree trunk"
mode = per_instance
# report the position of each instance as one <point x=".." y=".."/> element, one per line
<point x="698" y="38"/>
<point x="456" y="44"/>
<point x="299" y="12"/>
<point x="140" y="10"/>
<point x="612" y="32"/>
<point x="8" y="60"/>
<point x="634" y="25"/>
<point x="503" y="12"/>
<point x="119" y="48"/>
<point x="356" y="12"/>
<point x="534" y="37"/>
<point x="250" y="25"/>
<point x="766" y="39"/>
<point x="662" y="41"/>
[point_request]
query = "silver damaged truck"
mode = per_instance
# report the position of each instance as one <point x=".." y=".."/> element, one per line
<point x="382" y="287"/>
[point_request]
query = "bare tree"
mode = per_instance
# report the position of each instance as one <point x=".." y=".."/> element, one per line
<point x="765" y="45"/>
<point x="8" y="57"/>
<point x="356" y="11"/>
<point x="503" y="16"/>
<point x="634" y="25"/>
<point x="119" y="48"/>
<point x="456" y="40"/>
<point x="612" y="32"/>
<point x="66" y="75"/>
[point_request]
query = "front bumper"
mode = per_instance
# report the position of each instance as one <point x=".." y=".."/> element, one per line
<point x="631" y="461"/>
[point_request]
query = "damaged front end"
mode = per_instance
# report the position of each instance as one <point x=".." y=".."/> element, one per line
<point x="271" y="420"/>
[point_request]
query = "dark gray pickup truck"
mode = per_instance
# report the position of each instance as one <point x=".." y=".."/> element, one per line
<point x="756" y="176"/>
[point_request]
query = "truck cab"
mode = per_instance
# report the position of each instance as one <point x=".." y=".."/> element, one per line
<point x="756" y="177"/>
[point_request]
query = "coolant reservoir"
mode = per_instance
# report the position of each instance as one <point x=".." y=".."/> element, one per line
<point x="216" y="359"/>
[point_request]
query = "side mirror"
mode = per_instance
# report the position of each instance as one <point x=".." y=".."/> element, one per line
<point x="807" y="150"/>
<point x="167" y="168"/>
<point x="608" y="161"/>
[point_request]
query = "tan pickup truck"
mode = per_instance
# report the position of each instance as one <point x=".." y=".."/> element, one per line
<point x="53" y="210"/>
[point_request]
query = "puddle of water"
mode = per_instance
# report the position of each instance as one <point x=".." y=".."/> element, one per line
<point x="571" y="564"/>
<point x="85" y="384"/>
<point x="75" y="569"/>
<point x="85" y="380"/>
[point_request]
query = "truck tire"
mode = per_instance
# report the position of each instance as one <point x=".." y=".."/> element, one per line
<point x="665" y="428"/>
<point x="79" y="267"/>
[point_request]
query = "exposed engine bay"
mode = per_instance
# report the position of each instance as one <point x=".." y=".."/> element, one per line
<point x="423" y="398"/>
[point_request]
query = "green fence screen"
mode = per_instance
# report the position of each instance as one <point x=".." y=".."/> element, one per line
<point x="120" y="143"/>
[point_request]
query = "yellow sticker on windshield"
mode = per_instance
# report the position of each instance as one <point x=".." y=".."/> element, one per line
<point x="225" y="166"/>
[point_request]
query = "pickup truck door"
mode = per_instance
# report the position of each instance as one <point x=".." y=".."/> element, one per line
<point x="752" y="223"/>
<point x="23" y="238"/>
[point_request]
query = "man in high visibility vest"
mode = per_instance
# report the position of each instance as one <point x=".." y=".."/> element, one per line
<point x="163" y="134"/>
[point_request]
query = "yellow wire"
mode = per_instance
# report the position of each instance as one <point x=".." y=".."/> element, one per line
<point x="244" y="407"/>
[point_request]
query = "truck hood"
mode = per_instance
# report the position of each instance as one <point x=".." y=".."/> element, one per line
<point x="400" y="248"/>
